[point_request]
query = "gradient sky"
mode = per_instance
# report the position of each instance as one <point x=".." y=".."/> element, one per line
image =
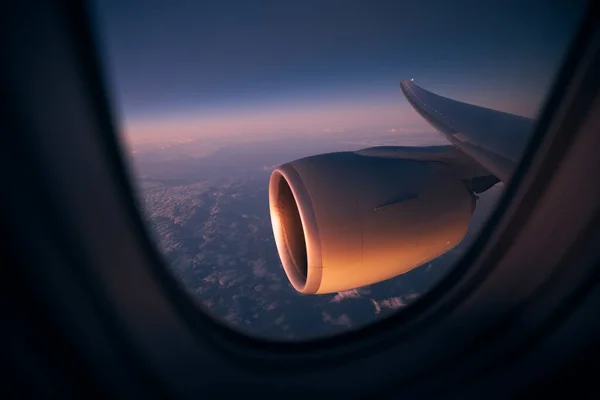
<point x="193" y="69"/>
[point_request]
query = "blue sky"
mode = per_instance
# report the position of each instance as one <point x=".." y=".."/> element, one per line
<point x="199" y="69"/>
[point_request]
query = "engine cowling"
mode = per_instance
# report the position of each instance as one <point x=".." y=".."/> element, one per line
<point x="346" y="220"/>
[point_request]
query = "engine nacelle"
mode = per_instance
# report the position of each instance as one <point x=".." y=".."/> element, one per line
<point x="346" y="220"/>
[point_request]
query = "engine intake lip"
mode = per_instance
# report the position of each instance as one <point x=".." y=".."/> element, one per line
<point x="295" y="229"/>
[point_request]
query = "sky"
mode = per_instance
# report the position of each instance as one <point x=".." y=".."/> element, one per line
<point x="185" y="70"/>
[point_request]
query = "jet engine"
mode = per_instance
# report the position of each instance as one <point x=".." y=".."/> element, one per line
<point x="350" y="219"/>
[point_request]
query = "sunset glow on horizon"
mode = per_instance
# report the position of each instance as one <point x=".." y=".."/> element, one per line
<point x="277" y="120"/>
<point x="196" y="70"/>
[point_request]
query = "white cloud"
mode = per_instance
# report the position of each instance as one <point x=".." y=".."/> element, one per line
<point x="348" y="294"/>
<point x="393" y="303"/>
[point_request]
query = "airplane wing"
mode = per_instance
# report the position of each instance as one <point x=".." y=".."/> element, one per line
<point x="349" y="219"/>
<point x="493" y="138"/>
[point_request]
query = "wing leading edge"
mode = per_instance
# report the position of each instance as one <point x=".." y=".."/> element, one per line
<point x="493" y="138"/>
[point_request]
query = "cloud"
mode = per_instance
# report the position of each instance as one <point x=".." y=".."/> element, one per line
<point x="348" y="294"/>
<point x="412" y="296"/>
<point x="260" y="270"/>
<point x="337" y="129"/>
<point x="232" y="318"/>
<point x="342" y="320"/>
<point x="396" y="130"/>
<point x="225" y="279"/>
<point x="393" y="303"/>
<point x="377" y="306"/>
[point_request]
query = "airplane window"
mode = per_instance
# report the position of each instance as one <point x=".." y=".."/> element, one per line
<point x="220" y="103"/>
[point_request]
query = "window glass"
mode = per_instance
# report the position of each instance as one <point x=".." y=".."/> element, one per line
<point x="211" y="97"/>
